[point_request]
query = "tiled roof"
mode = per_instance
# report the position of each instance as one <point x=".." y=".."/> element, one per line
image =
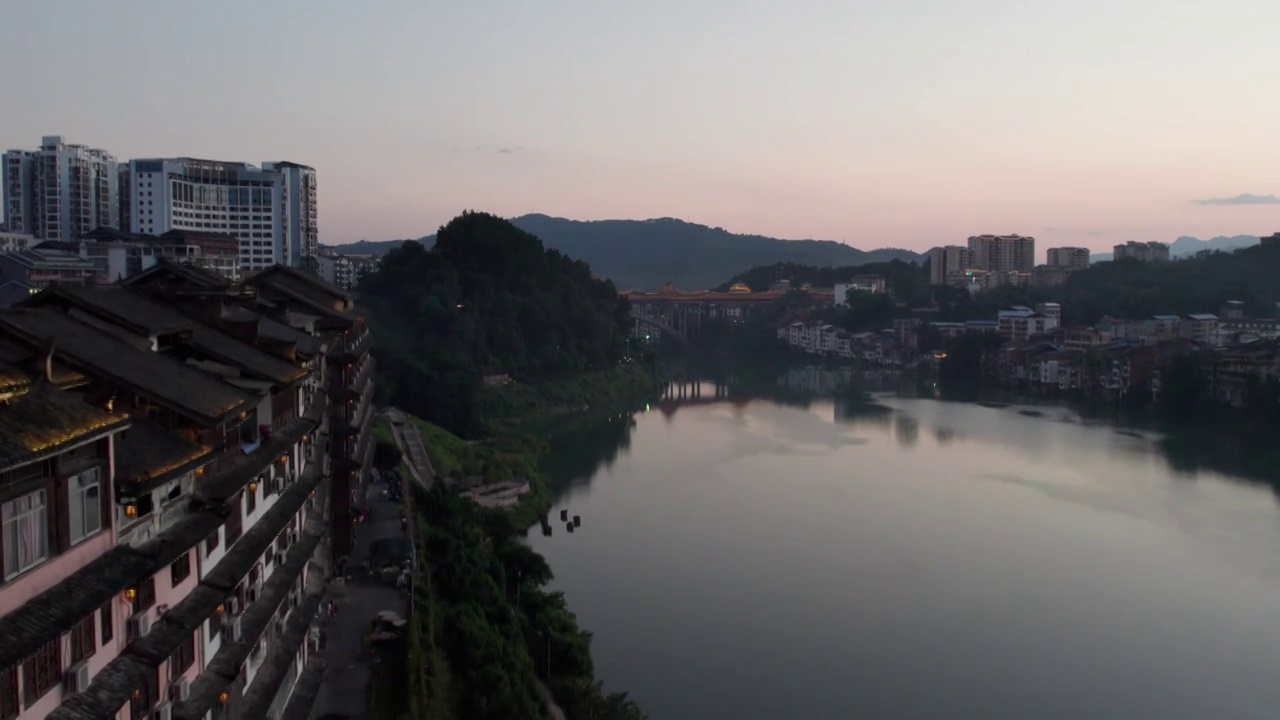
<point x="306" y="279"/>
<point x="42" y="420"/>
<point x="233" y="476"/>
<point x="124" y="308"/>
<point x="21" y="354"/>
<point x="58" y="609"/>
<point x="135" y="312"/>
<point x="305" y="690"/>
<point x="266" y="684"/>
<point x="113" y="684"/>
<point x="200" y="277"/>
<point x="222" y="669"/>
<point x="149" y="455"/>
<point x="98" y="353"/>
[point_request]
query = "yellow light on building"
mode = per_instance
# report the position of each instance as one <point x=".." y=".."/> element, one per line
<point x="224" y="697"/>
<point x="131" y="511"/>
<point x="131" y="594"/>
<point x="253" y="487"/>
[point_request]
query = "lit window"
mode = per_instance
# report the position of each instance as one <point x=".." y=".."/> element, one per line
<point x="26" y="533"/>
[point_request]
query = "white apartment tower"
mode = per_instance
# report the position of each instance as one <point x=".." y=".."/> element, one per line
<point x="60" y="191"/>
<point x="300" y="235"/>
<point x="271" y="210"/>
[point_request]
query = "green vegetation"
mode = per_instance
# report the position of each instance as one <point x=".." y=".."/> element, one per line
<point x="484" y="616"/>
<point x="487" y="299"/>
<point x="519" y="408"/>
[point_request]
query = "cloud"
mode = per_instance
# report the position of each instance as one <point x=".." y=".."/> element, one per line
<point x="1244" y="199"/>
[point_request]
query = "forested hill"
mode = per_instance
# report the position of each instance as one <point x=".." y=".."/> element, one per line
<point x="645" y="254"/>
<point x="487" y="298"/>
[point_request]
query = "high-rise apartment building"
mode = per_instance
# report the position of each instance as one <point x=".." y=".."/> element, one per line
<point x="60" y="191"/>
<point x="1146" y="252"/>
<point x="300" y="238"/>
<point x="945" y="260"/>
<point x="1003" y="253"/>
<point x="1071" y="258"/>
<point x="271" y="210"/>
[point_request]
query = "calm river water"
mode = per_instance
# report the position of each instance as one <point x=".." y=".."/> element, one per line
<point x="939" y="560"/>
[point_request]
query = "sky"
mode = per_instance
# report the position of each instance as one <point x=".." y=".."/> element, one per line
<point x="903" y="123"/>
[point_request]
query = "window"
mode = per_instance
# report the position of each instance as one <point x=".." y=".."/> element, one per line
<point x="180" y="569"/>
<point x="235" y="521"/>
<point x="84" y="504"/>
<point x="41" y="672"/>
<point x="146" y="595"/>
<point x="252" y="497"/>
<point x="144" y="698"/>
<point x="26" y="533"/>
<point x="84" y="640"/>
<point x="211" y="543"/>
<point x="182" y="658"/>
<point x="9" y="694"/>
<point x="108" y="623"/>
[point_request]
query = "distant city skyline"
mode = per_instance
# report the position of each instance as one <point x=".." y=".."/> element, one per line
<point x="906" y="125"/>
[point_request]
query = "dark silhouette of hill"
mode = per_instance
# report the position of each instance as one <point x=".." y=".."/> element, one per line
<point x="645" y="254"/>
<point x="1187" y="246"/>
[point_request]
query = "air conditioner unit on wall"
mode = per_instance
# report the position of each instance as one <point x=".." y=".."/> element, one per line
<point x="77" y="678"/>
<point x="138" y="626"/>
<point x="180" y="690"/>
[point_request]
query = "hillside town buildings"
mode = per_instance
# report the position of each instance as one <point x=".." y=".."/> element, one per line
<point x="1144" y="251"/>
<point x="179" y="453"/>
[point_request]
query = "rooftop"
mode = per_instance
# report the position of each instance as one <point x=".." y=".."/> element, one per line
<point x="38" y="420"/>
<point x="95" y="352"/>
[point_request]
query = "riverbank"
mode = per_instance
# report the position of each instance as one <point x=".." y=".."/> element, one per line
<point x="482" y="617"/>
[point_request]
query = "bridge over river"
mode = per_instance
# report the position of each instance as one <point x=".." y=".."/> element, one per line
<point x="678" y="315"/>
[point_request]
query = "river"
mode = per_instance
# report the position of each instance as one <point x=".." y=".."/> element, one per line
<point x="762" y="559"/>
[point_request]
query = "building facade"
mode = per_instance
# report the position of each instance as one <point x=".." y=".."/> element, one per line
<point x="1146" y="252"/>
<point x="60" y="191"/>
<point x="1003" y="253"/>
<point x="1071" y="258"/>
<point x="946" y="260"/>
<point x="270" y="210"/>
<point x="174" y="570"/>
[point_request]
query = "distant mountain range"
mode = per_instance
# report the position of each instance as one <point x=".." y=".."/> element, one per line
<point x="1186" y="246"/>
<point x="645" y="254"/>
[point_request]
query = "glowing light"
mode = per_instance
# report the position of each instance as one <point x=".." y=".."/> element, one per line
<point x="253" y="487"/>
<point x="131" y="511"/>
<point x="220" y="609"/>
<point x="131" y="594"/>
<point x="223" y="698"/>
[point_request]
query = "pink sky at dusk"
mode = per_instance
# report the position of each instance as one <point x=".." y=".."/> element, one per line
<point x="909" y="124"/>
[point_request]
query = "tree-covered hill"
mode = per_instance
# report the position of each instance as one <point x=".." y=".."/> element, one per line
<point x="487" y="298"/>
<point x="645" y="254"/>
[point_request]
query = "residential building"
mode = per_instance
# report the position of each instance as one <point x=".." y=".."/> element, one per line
<point x="1049" y="275"/>
<point x="1019" y="323"/>
<point x="335" y="269"/>
<point x="270" y="210"/>
<point x="60" y="191"/>
<point x="244" y="404"/>
<point x="946" y="260"/>
<point x="27" y="272"/>
<point x="55" y="477"/>
<point x="862" y="283"/>
<point x="1146" y="252"/>
<point x="1050" y="310"/>
<point x="13" y="241"/>
<point x="1200" y="327"/>
<point x="1002" y="253"/>
<point x="217" y="252"/>
<point x="300" y="236"/>
<point x="1071" y="258"/>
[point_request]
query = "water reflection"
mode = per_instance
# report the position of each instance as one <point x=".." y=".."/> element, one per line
<point x="848" y="395"/>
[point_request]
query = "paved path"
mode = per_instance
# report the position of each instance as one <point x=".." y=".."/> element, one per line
<point x="415" y="450"/>
<point x="346" y="677"/>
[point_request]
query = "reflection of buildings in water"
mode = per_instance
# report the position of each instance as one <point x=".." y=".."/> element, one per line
<point x="816" y="380"/>
<point x="829" y="381"/>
